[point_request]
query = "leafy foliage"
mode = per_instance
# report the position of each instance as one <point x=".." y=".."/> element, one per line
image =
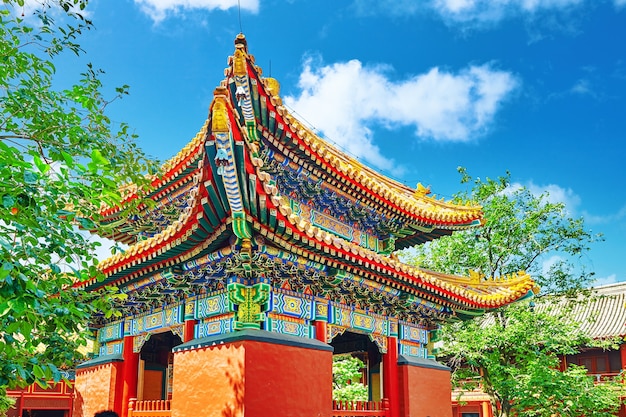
<point x="61" y="158"/>
<point x="347" y="385"/>
<point x="513" y="353"/>
<point x="521" y="230"/>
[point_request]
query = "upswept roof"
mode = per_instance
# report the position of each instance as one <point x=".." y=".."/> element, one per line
<point x="221" y="184"/>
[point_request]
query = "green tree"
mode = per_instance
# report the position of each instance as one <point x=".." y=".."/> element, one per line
<point x="514" y="351"/>
<point x="347" y="385"/>
<point x="61" y="159"/>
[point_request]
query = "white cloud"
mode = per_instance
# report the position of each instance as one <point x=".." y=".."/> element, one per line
<point x="31" y="8"/>
<point x="547" y="264"/>
<point x="582" y="87"/>
<point x="471" y="12"/>
<point x="555" y="194"/>
<point x="346" y="100"/>
<point x="611" y="279"/>
<point x="619" y="3"/>
<point x="484" y="11"/>
<point x="611" y="218"/>
<point x="161" y="9"/>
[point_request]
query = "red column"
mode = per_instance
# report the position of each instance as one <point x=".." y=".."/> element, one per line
<point x="486" y="409"/>
<point x="20" y="407"/>
<point x="190" y="326"/>
<point x="321" y="333"/>
<point x="129" y="374"/>
<point x="390" y="377"/>
<point x="622" y="355"/>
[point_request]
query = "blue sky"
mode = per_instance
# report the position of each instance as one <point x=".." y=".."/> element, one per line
<point x="413" y="88"/>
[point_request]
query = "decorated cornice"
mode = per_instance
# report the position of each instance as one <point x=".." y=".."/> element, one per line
<point x="288" y="135"/>
<point x="228" y="195"/>
<point x="176" y="175"/>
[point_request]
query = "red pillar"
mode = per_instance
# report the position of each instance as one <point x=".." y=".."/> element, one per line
<point x="129" y="375"/>
<point x="20" y="407"/>
<point x="486" y="409"/>
<point x="390" y="377"/>
<point x="321" y="332"/>
<point x="189" y="334"/>
<point x="622" y="355"/>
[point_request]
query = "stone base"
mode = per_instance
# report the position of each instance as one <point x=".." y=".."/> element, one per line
<point x="252" y="373"/>
<point x="425" y="388"/>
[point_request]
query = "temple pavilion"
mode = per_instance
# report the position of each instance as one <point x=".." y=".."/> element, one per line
<point x="266" y="252"/>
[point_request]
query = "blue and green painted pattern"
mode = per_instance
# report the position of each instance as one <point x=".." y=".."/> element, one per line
<point x="413" y="333"/>
<point x="417" y="350"/>
<point x="289" y="327"/>
<point x="215" y="326"/>
<point x="364" y="321"/>
<point x="292" y="305"/>
<point x="212" y="305"/>
<point x="113" y="331"/>
<point x="335" y="226"/>
<point x="164" y="318"/>
<point x="115" y="348"/>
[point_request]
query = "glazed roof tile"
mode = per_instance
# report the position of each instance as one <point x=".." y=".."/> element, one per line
<point x="470" y="293"/>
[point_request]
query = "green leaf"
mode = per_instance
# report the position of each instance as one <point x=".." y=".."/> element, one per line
<point x="38" y="371"/>
<point x="41" y="165"/>
<point x="98" y="159"/>
<point x="69" y="161"/>
<point x="8" y="201"/>
<point x="6" y="269"/>
<point x="30" y="177"/>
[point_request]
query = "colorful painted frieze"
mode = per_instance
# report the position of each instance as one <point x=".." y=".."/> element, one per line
<point x="114" y="348"/>
<point x="292" y="305"/>
<point x="215" y="326"/>
<point x="413" y="333"/>
<point x="331" y="224"/>
<point x="358" y="320"/>
<point x="407" y="348"/>
<point x="211" y="305"/>
<point x="163" y="318"/>
<point x="300" y="328"/>
<point x="113" y="331"/>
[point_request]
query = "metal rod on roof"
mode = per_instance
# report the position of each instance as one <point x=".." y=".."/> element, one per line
<point x="239" y="11"/>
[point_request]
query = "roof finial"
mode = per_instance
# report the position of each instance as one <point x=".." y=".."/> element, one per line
<point x="241" y="40"/>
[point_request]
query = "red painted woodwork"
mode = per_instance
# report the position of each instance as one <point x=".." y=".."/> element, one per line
<point x="129" y="374"/>
<point x="390" y="376"/>
<point x="361" y="408"/>
<point x="321" y="332"/>
<point x="57" y="396"/>
<point x="189" y="330"/>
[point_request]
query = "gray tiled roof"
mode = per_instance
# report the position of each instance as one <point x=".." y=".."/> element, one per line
<point x="605" y="315"/>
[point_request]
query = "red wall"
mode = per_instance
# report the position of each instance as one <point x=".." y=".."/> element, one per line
<point x="95" y="389"/>
<point x="252" y="378"/>
<point x="424" y="391"/>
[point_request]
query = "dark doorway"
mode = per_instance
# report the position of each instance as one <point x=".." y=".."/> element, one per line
<point x="156" y="366"/>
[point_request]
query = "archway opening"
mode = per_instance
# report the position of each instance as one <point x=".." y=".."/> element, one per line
<point x="156" y="365"/>
<point x="350" y="345"/>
